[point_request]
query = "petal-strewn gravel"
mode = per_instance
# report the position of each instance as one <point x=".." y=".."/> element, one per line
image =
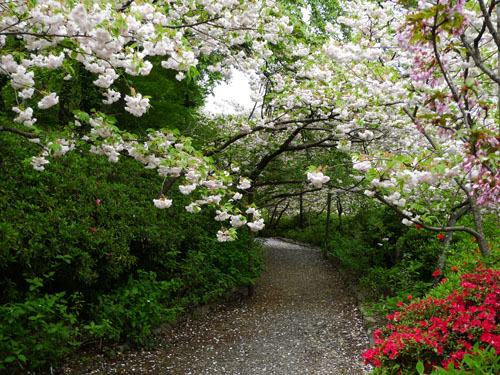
<point x="301" y="320"/>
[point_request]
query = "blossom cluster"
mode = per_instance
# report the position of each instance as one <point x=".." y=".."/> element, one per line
<point x="441" y="332"/>
<point x="415" y="124"/>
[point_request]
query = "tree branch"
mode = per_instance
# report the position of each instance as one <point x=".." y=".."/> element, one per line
<point x="475" y="54"/>
<point x="274" y="183"/>
<point x="267" y="159"/>
<point x="422" y="224"/>
<point x="20" y="132"/>
<point x="414" y="120"/>
<point x="489" y="24"/>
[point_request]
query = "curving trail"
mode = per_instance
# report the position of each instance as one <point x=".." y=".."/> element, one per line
<point x="301" y="321"/>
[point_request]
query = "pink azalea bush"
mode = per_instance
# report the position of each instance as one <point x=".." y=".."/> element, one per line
<point x="440" y="332"/>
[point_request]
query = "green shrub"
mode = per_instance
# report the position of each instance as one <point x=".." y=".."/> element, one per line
<point x="90" y="225"/>
<point x="38" y="331"/>
<point x="134" y="309"/>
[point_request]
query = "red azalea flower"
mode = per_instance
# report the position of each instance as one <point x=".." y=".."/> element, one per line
<point x="440" y="236"/>
<point x="418" y="226"/>
<point x="436" y="273"/>
<point x="469" y="309"/>
<point x="410" y="297"/>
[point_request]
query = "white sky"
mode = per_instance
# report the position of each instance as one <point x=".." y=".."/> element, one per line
<point x="237" y="91"/>
<point x="228" y="96"/>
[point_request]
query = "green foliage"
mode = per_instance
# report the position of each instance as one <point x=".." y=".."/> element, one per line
<point x="173" y="103"/>
<point x="320" y="12"/>
<point x="482" y="362"/>
<point x="37" y="331"/>
<point x="130" y="312"/>
<point x="313" y="234"/>
<point x="87" y="228"/>
<point x="84" y="254"/>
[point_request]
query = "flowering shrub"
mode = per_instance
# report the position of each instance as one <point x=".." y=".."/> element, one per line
<point x="440" y="332"/>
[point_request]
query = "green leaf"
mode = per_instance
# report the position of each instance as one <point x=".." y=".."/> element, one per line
<point x="420" y="367"/>
<point x="66" y="43"/>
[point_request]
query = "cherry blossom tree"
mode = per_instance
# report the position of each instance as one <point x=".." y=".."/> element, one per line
<point x="426" y="109"/>
<point x="409" y="92"/>
<point x="117" y="39"/>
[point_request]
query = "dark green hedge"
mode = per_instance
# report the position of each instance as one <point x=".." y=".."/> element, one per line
<point x="84" y="254"/>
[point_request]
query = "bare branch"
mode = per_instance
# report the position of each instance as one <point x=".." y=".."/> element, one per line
<point x="489" y="24"/>
<point x="475" y="54"/>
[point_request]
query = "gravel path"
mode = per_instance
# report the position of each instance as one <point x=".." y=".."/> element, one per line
<point x="301" y="320"/>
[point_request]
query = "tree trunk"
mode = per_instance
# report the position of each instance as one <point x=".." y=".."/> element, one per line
<point x="327" y="229"/>
<point x="441" y="263"/>
<point x="3" y="81"/>
<point x="397" y="254"/>
<point x="271" y="222"/>
<point x="339" y="210"/>
<point x="301" y="213"/>
<point x="251" y="286"/>
<point x="319" y="212"/>
<point x="498" y="64"/>
<point x="281" y="214"/>
<point x="478" y="226"/>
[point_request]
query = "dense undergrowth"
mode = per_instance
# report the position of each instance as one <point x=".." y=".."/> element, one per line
<point x="442" y="322"/>
<point x="85" y="257"/>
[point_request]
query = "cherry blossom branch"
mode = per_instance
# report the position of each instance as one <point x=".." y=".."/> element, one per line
<point x="483" y="27"/>
<point x="450" y="84"/>
<point x="20" y="20"/>
<point x="320" y="143"/>
<point x="44" y="35"/>
<point x="231" y="141"/>
<point x="199" y="23"/>
<point x="20" y="132"/>
<point x="170" y="182"/>
<point x="424" y="225"/>
<point x="414" y="120"/>
<point x="267" y="159"/>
